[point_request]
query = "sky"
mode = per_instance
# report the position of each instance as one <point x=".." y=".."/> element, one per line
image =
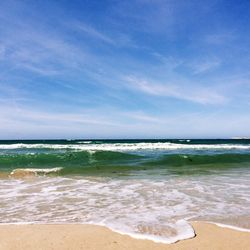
<point x="124" y="69"/>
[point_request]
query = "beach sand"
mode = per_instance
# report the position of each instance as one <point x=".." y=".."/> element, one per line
<point x="89" y="237"/>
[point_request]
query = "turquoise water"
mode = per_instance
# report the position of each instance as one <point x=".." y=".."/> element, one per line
<point x="145" y="188"/>
<point x="108" y="157"/>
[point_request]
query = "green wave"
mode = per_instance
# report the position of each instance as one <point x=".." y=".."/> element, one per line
<point x="108" y="162"/>
<point x="198" y="164"/>
<point x="180" y="160"/>
<point x="68" y="159"/>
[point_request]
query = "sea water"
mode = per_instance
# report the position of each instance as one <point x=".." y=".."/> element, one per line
<point x="148" y="189"/>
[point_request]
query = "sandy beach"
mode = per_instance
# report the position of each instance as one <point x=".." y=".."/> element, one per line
<point x="27" y="237"/>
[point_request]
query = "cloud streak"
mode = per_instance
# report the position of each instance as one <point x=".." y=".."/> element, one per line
<point x="94" y="33"/>
<point x="18" y="121"/>
<point x="197" y="94"/>
<point x="206" y="65"/>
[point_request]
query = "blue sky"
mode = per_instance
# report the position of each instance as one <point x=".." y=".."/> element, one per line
<point x="124" y="69"/>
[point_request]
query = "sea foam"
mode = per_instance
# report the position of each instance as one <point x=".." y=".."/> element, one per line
<point x="35" y="171"/>
<point x="126" y="146"/>
<point x="157" y="209"/>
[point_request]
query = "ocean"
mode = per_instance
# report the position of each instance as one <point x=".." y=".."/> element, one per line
<point x="149" y="189"/>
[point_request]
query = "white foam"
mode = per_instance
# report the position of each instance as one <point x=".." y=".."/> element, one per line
<point x="84" y="142"/>
<point x="184" y="229"/>
<point x="37" y="170"/>
<point x="142" y="208"/>
<point x="228" y="226"/>
<point x="128" y="146"/>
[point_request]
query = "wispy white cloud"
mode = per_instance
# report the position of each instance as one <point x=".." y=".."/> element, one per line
<point x="23" y="122"/>
<point x="47" y="71"/>
<point x="95" y="33"/>
<point x="27" y="122"/>
<point x="115" y="38"/>
<point x="28" y="46"/>
<point x="203" y="66"/>
<point x="140" y="116"/>
<point x="170" y="63"/>
<point x="42" y="55"/>
<point x="190" y="92"/>
<point x="16" y="118"/>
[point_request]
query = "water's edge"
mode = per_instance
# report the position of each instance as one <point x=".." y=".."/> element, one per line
<point x="140" y="236"/>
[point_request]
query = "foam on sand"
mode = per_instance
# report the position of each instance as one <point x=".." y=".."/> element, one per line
<point x="158" y="233"/>
<point x="229" y="226"/>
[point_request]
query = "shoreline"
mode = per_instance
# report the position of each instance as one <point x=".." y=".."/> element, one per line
<point x="236" y="228"/>
<point x="240" y="229"/>
<point x="83" y="236"/>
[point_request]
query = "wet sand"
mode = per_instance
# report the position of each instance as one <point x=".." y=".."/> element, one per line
<point x="89" y="237"/>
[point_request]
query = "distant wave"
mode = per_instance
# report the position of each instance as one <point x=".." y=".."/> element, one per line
<point x="84" y="142"/>
<point x="127" y="146"/>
